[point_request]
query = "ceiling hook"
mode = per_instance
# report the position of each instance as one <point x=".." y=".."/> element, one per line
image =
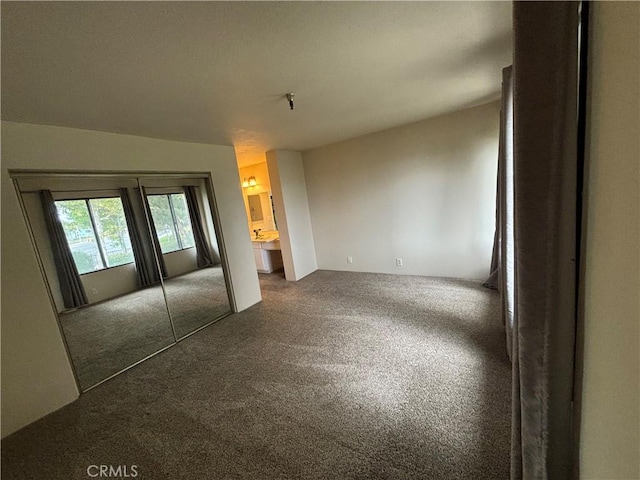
<point x="290" y="99"/>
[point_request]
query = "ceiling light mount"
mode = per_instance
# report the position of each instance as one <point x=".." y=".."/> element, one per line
<point x="289" y="97"/>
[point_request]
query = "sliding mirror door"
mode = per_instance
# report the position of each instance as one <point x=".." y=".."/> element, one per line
<point x="96" y="251"/>
<point x="132" y="264"/>
<point x="181" y="215"/>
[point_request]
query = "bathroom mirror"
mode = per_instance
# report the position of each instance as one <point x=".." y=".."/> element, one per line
<point x="96" y="241"/>
<point x="255" y="208"/>
<point x="261" y="212"/>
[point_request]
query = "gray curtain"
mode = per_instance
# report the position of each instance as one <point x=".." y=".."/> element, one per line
<point x="502" y="276"/>
<point x="507" y="271"/>
<point x="492" y="281"/>
<point x="545" y="178"/>
<point x="153" y="234"/>
<point x="203" y="255"/>
<point x="73" y="293"/>
<point x="145" y="266"/>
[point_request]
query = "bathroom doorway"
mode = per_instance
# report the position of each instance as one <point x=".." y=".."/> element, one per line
<point x="261" y="217"/>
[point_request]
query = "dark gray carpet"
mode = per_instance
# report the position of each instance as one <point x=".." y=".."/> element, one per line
<point x="196" y="298"/>
<point x="338" y="376"/>
<point x="109" y="336"/>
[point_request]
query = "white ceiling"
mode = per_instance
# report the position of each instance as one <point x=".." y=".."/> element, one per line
<point x="217" y="72"/>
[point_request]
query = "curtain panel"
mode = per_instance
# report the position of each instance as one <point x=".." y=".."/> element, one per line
<point x="153" y="234"/>
<point x="203" y="255"/>
<point x="545" y="75"/>
<point x="502" y="276"/>
<point x="145" y="265"/>
<point x="507" y="272"/>
<point x="73" y="293"/>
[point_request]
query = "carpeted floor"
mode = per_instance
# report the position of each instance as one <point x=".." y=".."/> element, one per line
<point x="109" y="336"/>
<point x="338" y="376"/>
<point x="196" y="298"/>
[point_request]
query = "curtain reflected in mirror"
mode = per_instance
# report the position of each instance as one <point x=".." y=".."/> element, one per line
<point x="180" y="215"/>
<point x="97" y="237"/>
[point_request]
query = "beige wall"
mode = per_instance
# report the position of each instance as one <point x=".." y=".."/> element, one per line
<point x="423" y="192"/>
<point x="36" y="374"/>
<point x="292" y="209"/>
<point x="609" y="446"/>
<point x="260" y="171"/>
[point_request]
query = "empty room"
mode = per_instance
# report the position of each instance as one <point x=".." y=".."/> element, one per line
<point x="320" y="240"/>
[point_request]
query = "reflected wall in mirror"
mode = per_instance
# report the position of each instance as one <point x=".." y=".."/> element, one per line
<point x="180" y="212"/>
<point x="261" y="212"/>
<point x="255" y="208"/>
<point x="97" y="249"/>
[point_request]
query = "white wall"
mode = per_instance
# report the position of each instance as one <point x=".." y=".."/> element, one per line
<point x="610" y="447"/>
<point x="287" y="176"/>
<point x="180" y="262"/>
<point x="36" y="373"/>
<point x="424" y="192"/>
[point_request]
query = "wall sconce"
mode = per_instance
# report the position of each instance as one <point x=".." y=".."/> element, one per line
<point x="249" y="182"/>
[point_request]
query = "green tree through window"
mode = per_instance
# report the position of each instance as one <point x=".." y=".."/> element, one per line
<point x="97" y="233"/>
<point x="171" y="219"/>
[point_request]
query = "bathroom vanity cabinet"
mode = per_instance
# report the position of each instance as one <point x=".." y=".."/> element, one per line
<point x="267" y="255"/>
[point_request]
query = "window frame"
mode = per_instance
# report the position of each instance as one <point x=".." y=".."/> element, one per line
<point x="99" y="241"/>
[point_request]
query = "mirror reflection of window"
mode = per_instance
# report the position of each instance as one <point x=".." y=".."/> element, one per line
<point x="96" y="230"/>
<point x="98" y="257"/>
<point x="172" y="222"/>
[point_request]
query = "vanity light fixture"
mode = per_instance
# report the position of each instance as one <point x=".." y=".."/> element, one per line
<point x="249" y="182"/>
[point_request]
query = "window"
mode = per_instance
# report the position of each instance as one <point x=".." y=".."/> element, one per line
<point x="97" y="233"/>
<point x="171" y="218"/>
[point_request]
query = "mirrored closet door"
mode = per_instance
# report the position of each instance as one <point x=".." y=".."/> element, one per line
<point x="181" y="219"/>
<point x="132" y="264"/>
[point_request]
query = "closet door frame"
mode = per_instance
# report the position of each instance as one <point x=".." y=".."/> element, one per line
<point x="21" y="174"/>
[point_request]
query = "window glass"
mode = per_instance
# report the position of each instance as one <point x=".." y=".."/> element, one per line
<point x="181" y="211"/>
<point x="111" y="226"/>
<point x="97" y="233"/>
<point x="81" y="237"/>
<point x="163" y="221"/>
<point x="171" y="219"/>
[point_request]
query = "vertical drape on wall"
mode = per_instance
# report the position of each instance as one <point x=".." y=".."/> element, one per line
<point x="145" y="266"/>
<point x="71" y="287"/>
<point x="507" y="231"/>
<point x="203" y="255"/>
<point x="153" y="234"/>
<point x="545" y="178"/>
<point x="492" y="280"/>
<point x="502" y="276"/>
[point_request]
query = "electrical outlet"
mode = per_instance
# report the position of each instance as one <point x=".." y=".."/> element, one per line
<point x="398" y="262"/>
<point x="349" y="259"/>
